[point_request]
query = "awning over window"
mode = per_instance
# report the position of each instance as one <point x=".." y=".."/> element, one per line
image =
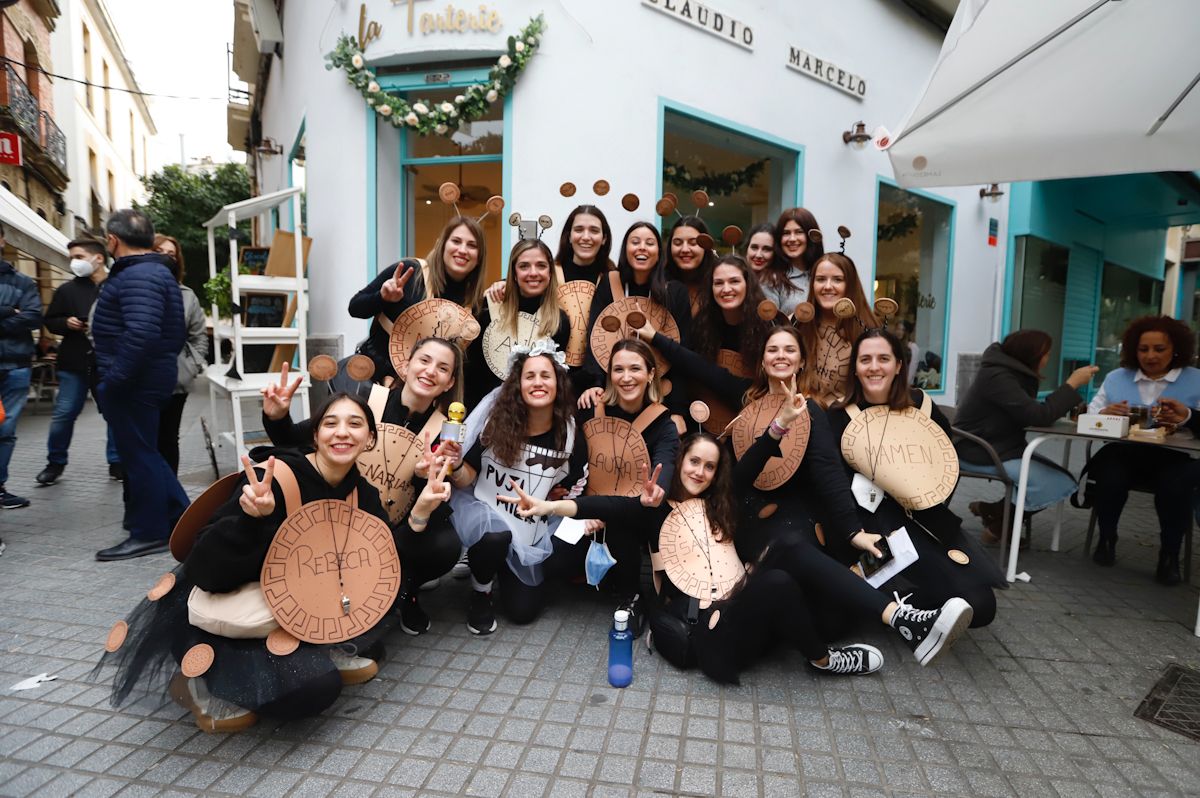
<point x="30" y="233"/>
<point x="1037" y="90"/>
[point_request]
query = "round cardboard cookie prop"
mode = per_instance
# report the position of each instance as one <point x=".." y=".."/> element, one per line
<point x="449" y="193"/>
<point x="300" y="573"/>
<point x="497" y="343"/>
<point x="700" y="199"/>
<point x="614" y="323"/>
<point x="197" y="660"/>
<point x="886" y="307"/>
<point x="844" y="308"/>
<point x="280" y="643"/>
<point x="360" y="368"/>
<point x="915" y="464"/>
<point x="575" y="298"/>
<point x="389" y="465"/>
<point x="694" y="560"/>
<point x="630" y="202"/>
<point x="731" y="236"/>
<point x="494" y="204"/>
<point x="753" y="421"/>
<point x="616" y="453"/>
<point x="437" y="317"/>
<point x="804" y="312"/>
<point x="116" y="636"/>
<point x="162" y="587"/>
<point x="567" y="189"/>
<point x="322" y="368"/>
<point x="831" y="362"/>
<point x="600" y="187"/>
<point x="665" y="206"/>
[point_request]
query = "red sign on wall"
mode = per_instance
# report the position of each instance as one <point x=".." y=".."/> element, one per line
<point x="10" y="149"/>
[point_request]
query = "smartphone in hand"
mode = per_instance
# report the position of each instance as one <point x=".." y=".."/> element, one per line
<point x="869" y="563"/>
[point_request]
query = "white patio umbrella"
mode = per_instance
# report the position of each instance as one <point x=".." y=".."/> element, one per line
<point x="1044" y="89"/>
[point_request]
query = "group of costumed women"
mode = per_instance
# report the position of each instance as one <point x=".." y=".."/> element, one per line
<point x="743" y="422"/>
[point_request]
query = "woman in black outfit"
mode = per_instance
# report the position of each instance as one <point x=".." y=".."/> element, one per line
<point x="878" y="378"/>
<point x="453" y="270"/>
<point x="688" y="261"/>
<point x="432" y="379"/>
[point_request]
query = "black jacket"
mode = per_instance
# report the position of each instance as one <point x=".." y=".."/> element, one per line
<point x="74" y="298"/>
<point x="20" y="315"/>
<point x="1002" y="402"/>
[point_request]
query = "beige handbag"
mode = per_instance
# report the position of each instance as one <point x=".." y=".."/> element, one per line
<point x="240" y="614"/>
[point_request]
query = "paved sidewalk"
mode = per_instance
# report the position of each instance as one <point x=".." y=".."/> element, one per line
<point x="1038" y="704"/>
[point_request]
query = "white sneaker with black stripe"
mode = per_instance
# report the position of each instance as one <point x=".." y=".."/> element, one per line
<point x="930" y="632"/>
<point x="856" y="659"/>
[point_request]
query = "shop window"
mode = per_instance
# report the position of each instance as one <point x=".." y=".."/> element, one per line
<point x="1039" y="297"/>
<point x="912" y="266"/>
<point x="1124" y="296"/>
<point x="748" y="180"/>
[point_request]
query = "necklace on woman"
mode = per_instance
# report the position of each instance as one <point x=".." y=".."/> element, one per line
<point x="339" y="554"/>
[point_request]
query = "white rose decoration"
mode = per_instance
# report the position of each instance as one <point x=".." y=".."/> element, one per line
<point x="440" y="129"/>
<point x="384" y="110"/>
<point x="420" y="108"/>
<point x="357" y="60"/>
<point x="531" y="40"/>
<point x="492" y="95"/>
<point x="370" y="101"/>
<point x="459" y="100"/>
<point x="372" y="87"/>
<point x="446" y="108"/>
<point x="453" y="112"/>
<point x="411" y="119"/>
<point x="519" y="47"/>
<point x="505" y="62"/>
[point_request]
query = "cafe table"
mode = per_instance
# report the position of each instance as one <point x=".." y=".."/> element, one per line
<point x="1067" y="431"/>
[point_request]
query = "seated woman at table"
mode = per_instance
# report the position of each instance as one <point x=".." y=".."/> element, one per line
<point x="1000" y="404"/>
<point x="1155" y="372"/>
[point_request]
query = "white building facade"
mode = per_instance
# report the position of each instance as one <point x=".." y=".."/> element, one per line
<point x="109" y="128"/>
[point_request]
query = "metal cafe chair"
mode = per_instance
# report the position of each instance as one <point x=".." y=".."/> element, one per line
<point x="999" y="475"/>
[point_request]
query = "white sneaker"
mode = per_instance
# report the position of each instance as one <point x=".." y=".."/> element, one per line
<point x="212" y="714"/>
<point x="856" y="659"/>
<point x="353" y="669"/>
<point x="461" y="570"/>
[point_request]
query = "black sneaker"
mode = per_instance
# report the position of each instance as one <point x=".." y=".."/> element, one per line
<point x="637" y="617"/>
<point x="9" y="501"/>
<point x="856" y="659"/>
<point x="50" y="474"/>
<point x="930" y="632"/>
<point x="413" y="619"/>
<point x="116" y="472"/>
<point x="481" y="618"/>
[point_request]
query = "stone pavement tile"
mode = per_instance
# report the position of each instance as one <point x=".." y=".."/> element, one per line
<point x="528" y="784"/>
<point x="275" y="784"/>
<point x="354" y="789"/>
<point x="313" y="787"/>
<point x="823" y="789"/>
<point x="28" y="781"/>
<point x="65" y="785"/>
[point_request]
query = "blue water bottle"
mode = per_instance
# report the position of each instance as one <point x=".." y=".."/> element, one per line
<point x="620" y="651"/>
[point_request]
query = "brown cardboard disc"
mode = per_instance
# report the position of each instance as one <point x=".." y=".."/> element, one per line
<point x="768" y="510"/>
<point x="322" y="368"/>
<point x="116" y="636"/>
<point x="920" y="162"/>
<point x="915" y="463"/>
<point x="843" y="231"/>
<point x="630" y="202"/>
<point x="604" y="336"/>
<point x="731" y="235"/>
<point x="199" y="513"/>
<point x="360" y="368"/>
<point x="390" y="464"/>
<point x="280" y="643"/>
<point x="699" y="411"/>
<point x="610" y="323"/>
<point x="567" y="189"/>
<point x="494" y="204"/>
<point x="575" y="298"/>
<point x="767" y="310"/>
<point x="714" y="619"/>
<point x="302" y="582"/>
<point x="700" y="199"/>
<point x="672" y="197"/>
<point x="616" y="454"/>
<point x="438" y="317"/>
<point x="844" y="308"/>
<point x="830" y="363"/>
<point x="449" y="193"/>
<point x="636" y="320"/>
<point x="198" y="659"/>
<point x="664" y="207"/>
<point x="886" y="307"/>
<point x="545" y="222"/>
<point x="720" y="412"/>
<point x="498" y="342"/>
<point x="815" y="235"/>
<point x="514" y="219"/>
<point x="959" y="557"/>
<point x="804" y="312"/>
<point x="705" y="241"/>
<point x="693" y="559"/>
<point x="162" y="587"/>
<point x="600" y="187"/>
<point x="753" y="421"/>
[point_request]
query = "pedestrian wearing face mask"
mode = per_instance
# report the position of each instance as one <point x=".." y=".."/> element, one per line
<point x="20" y="315"/>
<point x="67" y="316"/>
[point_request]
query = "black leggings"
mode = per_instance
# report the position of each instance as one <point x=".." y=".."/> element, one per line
<point x="168" y="429"/>
<point x="625" y="544"/>
<point x="519" y="602"/>
<point x="1174" y="476"/>
<point x="936" y="579"/>
<point x="427" y="555"/>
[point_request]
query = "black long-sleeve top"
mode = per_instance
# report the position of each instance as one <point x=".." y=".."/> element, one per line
<point x="368" y="304"/>
<point x="479" y="379"/>
<point x="678" y="305"/>
<point x="230" y="551"/>
<point x="588" y="274"/>
<point x="661" y="437"/>
<point x="74" y="298"/>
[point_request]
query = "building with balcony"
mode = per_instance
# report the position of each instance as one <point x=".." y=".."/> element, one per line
<point x="109" y="121"/>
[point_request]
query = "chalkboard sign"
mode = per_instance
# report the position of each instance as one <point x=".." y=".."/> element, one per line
<point x="255" y="258"/>
<point x="264" y="310"/>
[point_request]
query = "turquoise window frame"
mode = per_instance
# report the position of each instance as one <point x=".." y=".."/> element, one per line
<point x="290" y="176"/>
<point x="412" y="82"/>
<point x="665" y="105"/>
<point x="883" y="180"/>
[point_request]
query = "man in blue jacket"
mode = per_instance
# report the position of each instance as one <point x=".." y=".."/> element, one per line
<point x="138" y="331"/>
<point x="20" y="315"/>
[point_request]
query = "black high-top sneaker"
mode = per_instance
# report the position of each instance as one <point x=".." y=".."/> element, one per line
<point x="930" y="632"/>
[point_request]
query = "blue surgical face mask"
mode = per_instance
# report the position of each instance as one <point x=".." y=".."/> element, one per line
<point x="599" y="560"/>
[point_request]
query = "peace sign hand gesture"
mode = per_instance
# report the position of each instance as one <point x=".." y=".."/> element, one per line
<point x="652" y="492"/>
<point x="527" y="506"/>
<point x="277" y="399"/>
<point x="393" y="290"/>
<point x="793" y="406"/>
<point x="257" y="500"/>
